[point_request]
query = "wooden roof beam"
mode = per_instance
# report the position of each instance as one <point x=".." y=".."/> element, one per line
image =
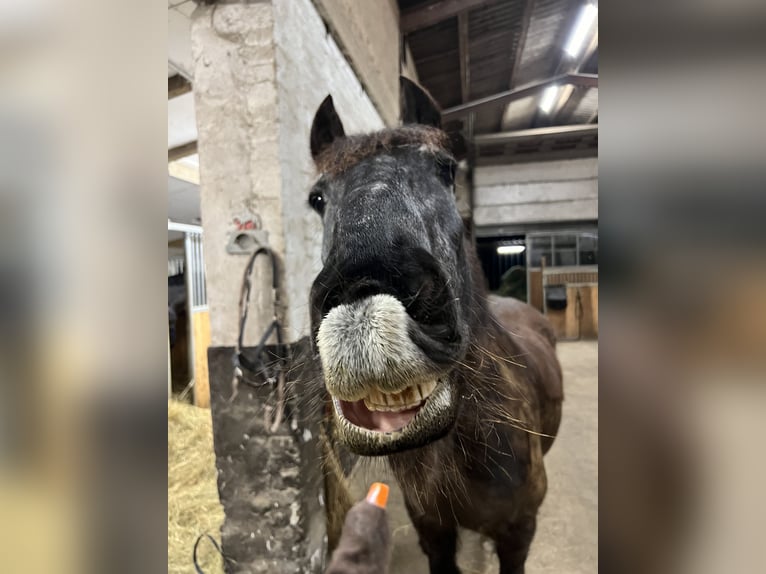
<point x="425" y="16"/>
<point x="522" y="41"/>
<point x="465" y="73"/>
<point x="182" y="151"/>
<point x="178" y="86"/>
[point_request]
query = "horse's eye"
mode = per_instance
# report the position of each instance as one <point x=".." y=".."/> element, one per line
<point x="447" y="171"/>
<point x="317" y="202"/>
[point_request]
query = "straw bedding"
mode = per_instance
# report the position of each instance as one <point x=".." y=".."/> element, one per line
<point x="193" y="505"/>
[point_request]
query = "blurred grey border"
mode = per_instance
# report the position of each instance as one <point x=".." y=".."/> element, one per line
<point x="682" y="150"/>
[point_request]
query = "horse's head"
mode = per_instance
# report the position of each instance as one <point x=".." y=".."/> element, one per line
<point x="390" y="306"/>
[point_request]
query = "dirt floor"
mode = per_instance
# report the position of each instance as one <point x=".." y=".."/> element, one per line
<point x="566" y="539"/>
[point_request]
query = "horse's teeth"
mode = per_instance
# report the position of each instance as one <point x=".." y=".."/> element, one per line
<point x="376" y="397"/>
<point x="411" y="395"/>
<point x="426" y="389"/>
<point x="408" y="398"/>
<point x="374" y="406"/>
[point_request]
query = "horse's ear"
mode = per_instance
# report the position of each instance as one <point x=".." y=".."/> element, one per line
<point x="326" y="128"/>
<point x="417" y="106"/>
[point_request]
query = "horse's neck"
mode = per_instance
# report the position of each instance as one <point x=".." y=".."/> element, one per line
<point x="485" y="364"/>
<point x="482" y="324"/>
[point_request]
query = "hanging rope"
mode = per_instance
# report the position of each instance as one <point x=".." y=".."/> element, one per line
<point x="259" y="371"/>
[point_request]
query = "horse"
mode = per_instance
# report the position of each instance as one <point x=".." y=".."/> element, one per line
<point x="461" y="393"/>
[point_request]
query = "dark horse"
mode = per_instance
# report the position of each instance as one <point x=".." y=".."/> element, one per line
<point x="461" y="393"/>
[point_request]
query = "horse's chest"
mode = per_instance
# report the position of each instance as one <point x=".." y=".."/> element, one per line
<point x="477" y="482"/>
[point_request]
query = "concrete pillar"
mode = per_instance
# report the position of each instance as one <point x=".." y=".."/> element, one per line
<point x="236" y="107"/>
<point x="261" y="69"/>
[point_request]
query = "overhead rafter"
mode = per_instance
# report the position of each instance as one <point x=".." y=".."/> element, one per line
<point x="183" y="172"/>
<point x="465" y="74"/>
<point x="182" y="151"/>
<point x="586" y="80"/>
<point x="465" y="71"/>
<point x="522" y="41"/>
<point x="425" y="16"/>
<point x="178" y="86"/>
<point x="515" y="136"/>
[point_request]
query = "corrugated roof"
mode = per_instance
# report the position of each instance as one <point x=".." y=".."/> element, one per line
<point x="543" y="46"/>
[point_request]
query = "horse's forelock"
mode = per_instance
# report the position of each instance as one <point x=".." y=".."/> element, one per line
<point x="348" y="151"/>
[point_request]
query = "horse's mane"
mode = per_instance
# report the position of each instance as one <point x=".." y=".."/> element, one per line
<point x="347" y="151"/>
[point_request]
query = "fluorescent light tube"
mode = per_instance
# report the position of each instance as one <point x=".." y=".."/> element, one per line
<point x="585" y="21"/>
<point x="549" y="98"/>
<point x="510" y="249"/>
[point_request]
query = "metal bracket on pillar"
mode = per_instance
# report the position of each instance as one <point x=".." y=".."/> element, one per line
<point x="246" y="241"/>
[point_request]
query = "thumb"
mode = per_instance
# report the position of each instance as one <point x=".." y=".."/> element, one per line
<point x="365" y="541"/>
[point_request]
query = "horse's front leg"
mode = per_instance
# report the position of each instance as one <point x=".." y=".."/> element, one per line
<point x="438" y="540"/>
<point x="513" y="543"/>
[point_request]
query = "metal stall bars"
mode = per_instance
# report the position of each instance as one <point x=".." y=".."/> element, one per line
<point x="199" y="332"/>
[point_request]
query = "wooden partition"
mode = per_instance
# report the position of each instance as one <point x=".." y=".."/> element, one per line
<point x="535" y="289"/>
<point x="580" y="318"/>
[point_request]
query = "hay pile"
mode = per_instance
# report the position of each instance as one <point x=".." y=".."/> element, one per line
<point x="193" y="506"/>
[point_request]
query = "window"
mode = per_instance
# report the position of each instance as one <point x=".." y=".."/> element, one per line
<point x="588" y="249"/>
<point x="539" y="247"/>
<point x="563" y="249"/>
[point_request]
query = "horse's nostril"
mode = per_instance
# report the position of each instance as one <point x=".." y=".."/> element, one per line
<point x="408" y="274"/>
<point x="367" y="288"/>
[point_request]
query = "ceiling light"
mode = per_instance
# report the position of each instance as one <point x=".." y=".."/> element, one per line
<point x="510" y="249"/>
<point x="548" y="99"/>
<point x="585" y="20"/>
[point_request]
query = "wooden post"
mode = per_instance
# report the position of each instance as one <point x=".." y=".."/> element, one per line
<point x="200" y="325"/>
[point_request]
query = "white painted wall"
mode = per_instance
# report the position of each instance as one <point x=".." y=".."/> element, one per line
<point x="367" y="31"/>
<point x="309" y="66"/>
<point x="540" y="192"/>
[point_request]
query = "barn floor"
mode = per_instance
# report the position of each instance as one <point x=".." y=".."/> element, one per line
<point x="566" y="539"/>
